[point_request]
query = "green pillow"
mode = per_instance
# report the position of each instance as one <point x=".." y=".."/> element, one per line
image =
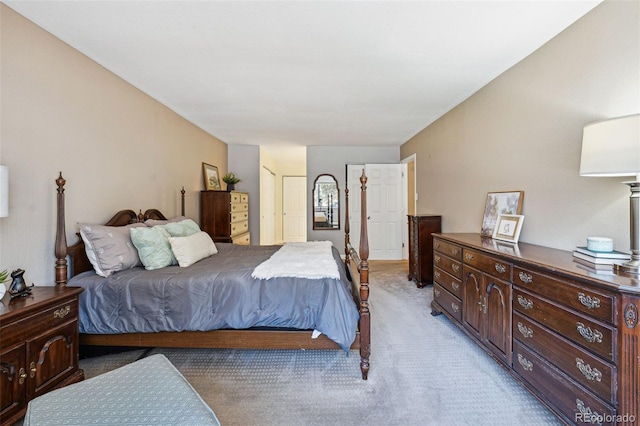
<point x="183" y="228"/>
<point x="153" y="247"/>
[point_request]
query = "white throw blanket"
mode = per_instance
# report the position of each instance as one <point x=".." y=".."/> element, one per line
<point x="312" y="260"/>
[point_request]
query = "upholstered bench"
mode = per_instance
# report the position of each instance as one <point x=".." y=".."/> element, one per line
<point x="150" y="391"/>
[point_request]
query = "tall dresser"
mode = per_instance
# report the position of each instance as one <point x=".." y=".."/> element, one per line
<point x="569" y="335"/>
<point x="224" y="215"/>
<point x="421" y="248"/>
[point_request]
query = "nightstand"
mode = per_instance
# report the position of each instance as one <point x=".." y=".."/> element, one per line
<point x="38" y="347"/>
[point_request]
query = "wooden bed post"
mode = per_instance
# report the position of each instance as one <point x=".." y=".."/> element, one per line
<point x="182" y="201"/>
<point x="61" y="236"/>
<point x="347" y="241"/>
<point x="365" y="320"/>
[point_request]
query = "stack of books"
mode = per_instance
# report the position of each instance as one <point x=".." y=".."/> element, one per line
<point x="599" y="261"/>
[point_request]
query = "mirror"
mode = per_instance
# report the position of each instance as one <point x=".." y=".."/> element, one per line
<point x="326" y="203"/>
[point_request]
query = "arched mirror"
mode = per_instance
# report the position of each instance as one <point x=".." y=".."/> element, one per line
<point x="326" y="203"/>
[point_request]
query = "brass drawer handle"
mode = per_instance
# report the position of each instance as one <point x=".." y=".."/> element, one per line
<point x="436" y="292"/>
<point x="587" y="413"/>
<point x="592" y="374"/>
<point x="525" y="363"/>
<point x="468" y="256"/>
<point x="591" y="336"/>
<point x="455" y="251"/>
<point x="62" y="312"/>
<point x="436" y="274"/>
<point x="455" y="267"/>
<point x="455" y="307"/>
<point x="22" y="374"/>
<point x="437" y="244"/>
<point x="455" y="286"/>
<point x="525" y="278"/>
<point x="588" y="301"/>
<point x="524" y="302"/>
<point x="32" y="370"/>
<point x="436" y="259"/>
<point x="525" y="331"/>
<point x="500" y="268"/>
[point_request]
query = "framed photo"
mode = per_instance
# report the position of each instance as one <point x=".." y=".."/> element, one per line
<point x="211" y="177"/>
<point x="509" y="202"/>
<point x="508" y="227"/>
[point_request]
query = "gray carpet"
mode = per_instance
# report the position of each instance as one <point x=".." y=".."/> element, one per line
<point x="424" y="371"/>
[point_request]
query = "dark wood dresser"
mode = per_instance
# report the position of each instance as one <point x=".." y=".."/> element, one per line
<point x="38" y="347"/>
<point x="224" y="215"/>
<point x="421" y="247"/>
<point x="568" y="335"/>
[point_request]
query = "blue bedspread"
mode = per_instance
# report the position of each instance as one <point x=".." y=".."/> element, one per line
<point x="216" y="293"/>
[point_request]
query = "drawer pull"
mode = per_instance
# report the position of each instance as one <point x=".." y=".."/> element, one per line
<point x="437" y="244"/>
<point x="436" y="259"/>
<point x="22" y="374"/>
<point x="32" y="370"/>
<point x="592" y="374"/>
<point x="455" y="251"/>
<point x="591" y="336"/>
<point x="62" y="312"/>
<point x="437" y="274"/>
<point x="588" y="301"/>
<point x="468" y="256"/>
<point x="455" y="285"/>
<point x="455" y="307"/>
<point x="436" y="292"/>
<point x="525" y="278"/>
<point x="525" y="331"/>
<point x="524" y="302"/>
<point x="587" y="413"/>
<point x="525" y="363"/>
<point x="500" y="268"/>
<point x="455" y="267"/>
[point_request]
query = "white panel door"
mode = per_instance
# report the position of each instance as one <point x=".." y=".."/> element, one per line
<point x="384" y="209"/>
<point x="294" y="208"/>
<point x="267" y="207"/>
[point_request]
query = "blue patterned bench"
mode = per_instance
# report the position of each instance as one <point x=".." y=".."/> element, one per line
<point x="150" y="391"/>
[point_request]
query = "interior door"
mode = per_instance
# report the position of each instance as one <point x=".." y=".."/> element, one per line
<point x="294" y="208"/>
<point x="267" y="207"/>
<point x="384" y="209"/>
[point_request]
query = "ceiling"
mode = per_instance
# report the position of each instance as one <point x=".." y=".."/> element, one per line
<point x="296" y="73"/>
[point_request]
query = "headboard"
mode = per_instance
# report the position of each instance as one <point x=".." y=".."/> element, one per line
<point x="76" y="252"/>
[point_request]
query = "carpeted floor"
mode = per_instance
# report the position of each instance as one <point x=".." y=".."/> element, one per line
<point x="424" y="371"/>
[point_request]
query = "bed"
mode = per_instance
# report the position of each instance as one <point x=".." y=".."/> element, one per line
<point x="253" y="325"/>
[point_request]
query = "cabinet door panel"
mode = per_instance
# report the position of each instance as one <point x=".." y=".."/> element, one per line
<point x="473" y="307"/>
<point x="12" y="395"/>
<point x="498" y="318"/>
<point x="51" y="357"/>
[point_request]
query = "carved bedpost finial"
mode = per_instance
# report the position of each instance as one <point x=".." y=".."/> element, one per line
<point x="61" y="235"/>
<point x="140" y="217"/>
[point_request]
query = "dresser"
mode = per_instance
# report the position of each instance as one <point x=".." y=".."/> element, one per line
<point x="570" y="336"/>
<point x="421" y="247"/>
<point x="224" y="215"/>
<point x="38" y="347"/>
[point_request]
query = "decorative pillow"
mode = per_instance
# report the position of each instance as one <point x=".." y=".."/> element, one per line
<point x="109" y="248"/>
<point x="195" y="247"/>
<point x="153" y="247"/>
<point x="183" y="228"/>
<point x="154" y="222"/>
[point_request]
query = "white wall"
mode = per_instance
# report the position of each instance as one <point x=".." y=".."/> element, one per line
<point x="523" y="132"/>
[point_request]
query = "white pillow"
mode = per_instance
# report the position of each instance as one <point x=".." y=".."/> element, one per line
<point x="195" y="247"/>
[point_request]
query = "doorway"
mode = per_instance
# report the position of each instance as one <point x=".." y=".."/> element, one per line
<point x="294" y="208"/>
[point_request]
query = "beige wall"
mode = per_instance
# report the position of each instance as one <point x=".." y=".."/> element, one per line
<point x="523" y="132"/>
<point x="117" y="147"/>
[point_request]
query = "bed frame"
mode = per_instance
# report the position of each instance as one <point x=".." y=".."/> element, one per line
<point x="237" y="339"/>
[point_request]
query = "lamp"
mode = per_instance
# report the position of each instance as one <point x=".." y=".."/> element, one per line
<point x="4" y="191"/>
<point x="612" y="148"/>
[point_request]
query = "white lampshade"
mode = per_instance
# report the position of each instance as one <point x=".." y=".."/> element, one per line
<point x="611" y="147"/>
<point x="4" y="191"/>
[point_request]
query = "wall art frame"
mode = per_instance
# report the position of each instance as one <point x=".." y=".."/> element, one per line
<point x="211" y="177"/>
<point x="508" y="227"/>
<point x="505" y="202"/>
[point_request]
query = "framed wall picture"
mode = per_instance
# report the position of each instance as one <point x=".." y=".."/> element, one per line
<point x="211" y="177"/>
<point x="508" y="227"/>
<point x="508" y="202"/>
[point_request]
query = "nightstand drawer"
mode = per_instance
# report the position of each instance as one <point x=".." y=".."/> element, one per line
<point x="449" y="303"/>
<point x="449" y="249"/>
<point x="451" y="283"/>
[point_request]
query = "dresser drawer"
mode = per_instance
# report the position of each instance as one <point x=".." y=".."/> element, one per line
<point x="449" y="302"/>
<point x="242" y="240"/>
<point x="595" y="374"/>
<point x="571" y="400"/>
<point x="448" y="264"/>
<point x="488" y="264"/>
<point x="239" y="197"/>
<point x="593" y="335"/>
<point x="590" y="301"/>
<point x="238" y="228"/>
<point x="239" y="207"/>
<point x="448" y="249"/>
<point x="238" y="216"/>
<point x="449" y="282"/>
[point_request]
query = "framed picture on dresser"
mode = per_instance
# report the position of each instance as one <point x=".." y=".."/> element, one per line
<point x="211" y="177"/>
<point x="507" y="202"/>
<point x="508" y="227"/>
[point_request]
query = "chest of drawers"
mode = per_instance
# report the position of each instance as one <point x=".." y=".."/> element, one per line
<point x="224" y="215"/>
<point x="421" y="247"/>
<point x="569" y="335"/>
